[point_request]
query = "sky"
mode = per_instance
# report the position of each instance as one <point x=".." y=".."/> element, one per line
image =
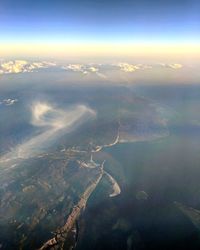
<point x="98" y="25"/>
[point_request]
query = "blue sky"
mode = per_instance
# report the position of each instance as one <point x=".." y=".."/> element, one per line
<point x="100" y="21"/>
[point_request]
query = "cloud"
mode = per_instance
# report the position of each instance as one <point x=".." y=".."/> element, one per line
<point x="93" y="69"/>
<point x="9" y="102"/>
<point x="74" y="67"/>
<point x="38" y="112"/>
<point x="126" y="67"/>
<point x="175" y="66"/>
<point x="54" y="123"/>
<point x="171" y="65"/>
<point x="101" y="75"/>
<point x="21" y="66"/>
<point x="85" y="69"/>
<point x="13" y="66"/>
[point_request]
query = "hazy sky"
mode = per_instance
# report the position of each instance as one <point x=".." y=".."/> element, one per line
<point x="87" y="22"/>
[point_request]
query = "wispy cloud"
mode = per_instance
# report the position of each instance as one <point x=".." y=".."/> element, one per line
<point x="54" y="122"/>
<point x="175" y="66"/>
<point x="126" y="67"/>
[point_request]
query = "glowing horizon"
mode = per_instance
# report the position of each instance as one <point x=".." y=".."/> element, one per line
<point x="99" y="28"/>
<point x="61" y="50"/>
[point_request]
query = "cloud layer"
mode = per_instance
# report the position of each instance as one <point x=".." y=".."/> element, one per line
<point x="21" y="66"/>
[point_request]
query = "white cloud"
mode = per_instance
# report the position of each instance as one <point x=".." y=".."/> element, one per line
<point x="9" y="102"/>
<point x="171" y="65"/>
<point x="74" y="67"/>
<point x="101" y="75"/>
<point x="126" y="67"/>
<point x="21" y="66"/>
<point x="93" y="69"/>
<point x="84" y="69"/>
<point x="175" y="66"/>
<point x="38" y="112"/>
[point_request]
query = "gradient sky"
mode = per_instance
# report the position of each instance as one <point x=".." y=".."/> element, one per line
<point x="100" y="21"/>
